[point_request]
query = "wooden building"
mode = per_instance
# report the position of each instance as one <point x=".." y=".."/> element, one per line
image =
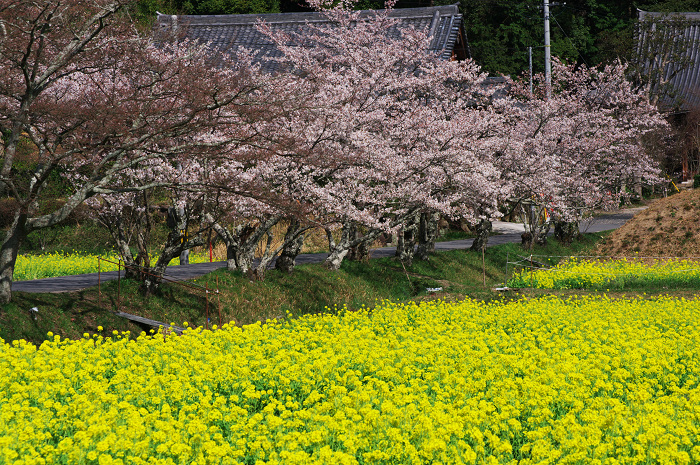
<point x="668" y="52"/>
<point x="230" y="33"/>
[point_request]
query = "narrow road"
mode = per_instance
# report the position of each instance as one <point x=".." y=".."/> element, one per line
<point x="503" y="233"/>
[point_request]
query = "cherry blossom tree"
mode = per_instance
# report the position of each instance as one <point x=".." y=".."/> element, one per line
<point x="395" y="132"/>
<point x="95" y="99"/>
<point x="375" y="131"/>
<point x="575" y="151"/>
<point x="131" y="215"/>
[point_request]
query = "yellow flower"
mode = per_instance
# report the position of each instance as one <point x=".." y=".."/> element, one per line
<point x="575" y="380"/>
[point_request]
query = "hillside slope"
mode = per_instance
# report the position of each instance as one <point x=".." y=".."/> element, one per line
<point x="669" y="227"/>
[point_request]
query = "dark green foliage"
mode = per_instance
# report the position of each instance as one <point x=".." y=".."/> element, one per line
<point x="144" y="11"/>
<point x="499" y="31"/>
<point x="582" y="31"/>
<point x="210" y="7"/>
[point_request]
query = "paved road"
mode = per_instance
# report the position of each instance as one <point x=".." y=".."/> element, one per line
<point x="504" y="233"/>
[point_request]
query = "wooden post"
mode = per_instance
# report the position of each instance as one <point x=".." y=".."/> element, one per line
<point x="532" y="278"/>
<point x="206" y="302"/>
<point x="505" y="282"/>
<point x="119" y="284"/>
<point x="211" y="253"/>
<point x="483" y="263"/>
<point x="218" y="299"/>
<point x="99" y="283"/>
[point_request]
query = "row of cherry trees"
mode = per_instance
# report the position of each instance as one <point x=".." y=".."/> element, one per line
<point x="581" y="149"/>
<point x="363" y="132"/>
<point x="98" y="101"/>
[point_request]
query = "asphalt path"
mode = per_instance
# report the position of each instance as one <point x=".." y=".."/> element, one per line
<point x="503" y="233"/>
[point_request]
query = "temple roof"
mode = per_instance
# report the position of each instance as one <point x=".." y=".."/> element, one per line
<point x="668" y="44"/>
<point x="231" y="33"/>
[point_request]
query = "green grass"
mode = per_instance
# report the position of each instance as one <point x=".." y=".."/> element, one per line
<point x="309" y="289"/>
<point x="453" y="235"/>
<point x="88" y="237"/>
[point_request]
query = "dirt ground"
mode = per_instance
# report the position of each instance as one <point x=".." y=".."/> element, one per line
<point x="669" y="227"/>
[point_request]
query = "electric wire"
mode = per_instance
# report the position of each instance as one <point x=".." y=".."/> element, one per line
<point x="569" y="39"/>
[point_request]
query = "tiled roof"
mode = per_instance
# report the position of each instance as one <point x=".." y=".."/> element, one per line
<point x="686" y="82"/>
<point x="230" y="33"/>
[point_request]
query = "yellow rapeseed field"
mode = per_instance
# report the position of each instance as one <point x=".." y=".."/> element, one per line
<point x="61" y="264"/>
<point x="608" y="274"/>
<point x="541" y="381"/>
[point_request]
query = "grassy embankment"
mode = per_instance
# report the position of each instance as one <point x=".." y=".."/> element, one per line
<point x="310" y="289"/>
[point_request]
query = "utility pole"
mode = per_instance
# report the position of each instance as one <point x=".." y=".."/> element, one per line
<point x="547" y="52"/>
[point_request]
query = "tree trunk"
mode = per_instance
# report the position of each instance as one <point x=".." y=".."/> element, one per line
<point x="359" y="245"/>
<point x="239" y="250"/>
<point x="637" y="187"/>
<point x="293" y="236"/>
<point x="542" y="232"/>
<point x="130" y="221"/>
<point x="536" y="225"/>
<point x="9" y="152"/>
<point x="565" y="232"/>
<point x="143" y="260"/>
<point x="405" y="250"/>
<point x="293" y="242"/>
<point x="143" y="233"/>
<point x="257" y="273"/>
<point x="482" y="230"/>
<point x="131" y="265"/>
<point x="178" y="241"/>
<point x="354" y="234"/>
<point x="427" y="233"/>
<point x="360" y="252"/>
<point x="8" y="255"/>
<point x="242" y="241"/>
<point x="338" y="251"/>
<point x="152" y="277"/>
<point x="231" y="241"/>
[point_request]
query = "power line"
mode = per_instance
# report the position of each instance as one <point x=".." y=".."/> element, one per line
<point x="569" y="39"/>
